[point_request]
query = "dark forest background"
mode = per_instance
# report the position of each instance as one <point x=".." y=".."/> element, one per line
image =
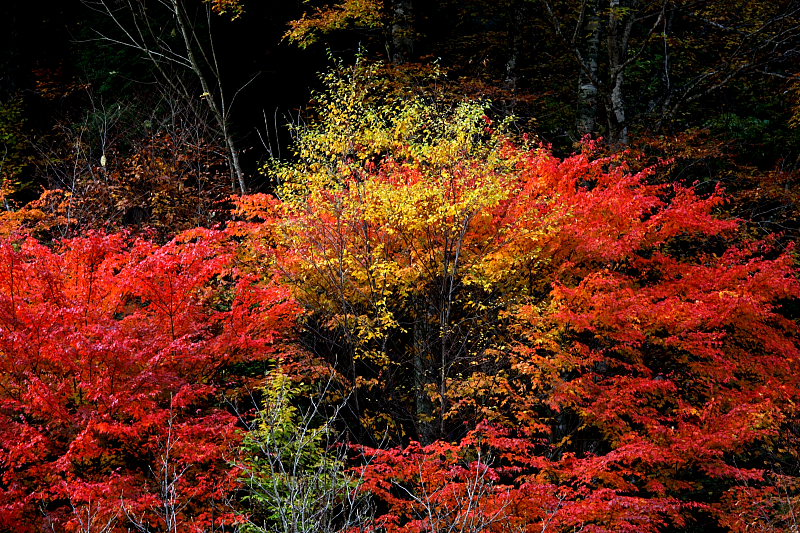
<point x="711" y="86"/>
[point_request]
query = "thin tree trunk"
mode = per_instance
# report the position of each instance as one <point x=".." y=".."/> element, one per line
<point x="236" y="167"/>
<point x="423" y="406"/>
<point x="586" y="123"/>
<point x="514" y="31"/>
<point x="402" y="31"/>
<point x="665" y="73"/>
<point x="617" y="128"/>
<point x="618" y="35"/>
<point x="216" y="109"/>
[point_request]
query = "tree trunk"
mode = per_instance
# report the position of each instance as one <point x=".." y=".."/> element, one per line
<point x="218" y="110"/>
<point x="666" y="100"/>
<point x="236" y="167"/>
<point x="586" y="123"/>
<point x="402" y="31"/>
<point x="423" y="405"/>
<point x="617" y="128"/>
<point x="514" y="33"/>
<point x="619" y="31"/>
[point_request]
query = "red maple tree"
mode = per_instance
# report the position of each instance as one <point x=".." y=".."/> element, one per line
<point x="115" y="355"/>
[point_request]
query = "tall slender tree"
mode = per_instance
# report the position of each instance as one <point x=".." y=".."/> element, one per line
<point x="177" y="38"/>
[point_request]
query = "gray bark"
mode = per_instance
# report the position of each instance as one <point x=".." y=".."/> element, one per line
<point x="219" y="111"/>
<point x="587" y="85"/>
<point x="139" y="33"/>
<point x="402" y="31"/>
<point x="604" y="81"/>
<point x="619" y="30"/>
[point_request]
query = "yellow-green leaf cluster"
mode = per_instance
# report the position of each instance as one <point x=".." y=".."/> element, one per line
<point x="364" y="122"/>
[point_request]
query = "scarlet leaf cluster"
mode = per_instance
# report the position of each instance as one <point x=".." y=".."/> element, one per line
<point x="114" y="358"/>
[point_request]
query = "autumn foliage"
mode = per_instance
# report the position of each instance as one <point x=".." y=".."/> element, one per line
<point x="506" y="341"/>
<point x="116" y="357"/>
<point x="575" y="346"/>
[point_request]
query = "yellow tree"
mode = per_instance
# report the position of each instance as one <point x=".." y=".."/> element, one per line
<point x="397" y="222"/>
